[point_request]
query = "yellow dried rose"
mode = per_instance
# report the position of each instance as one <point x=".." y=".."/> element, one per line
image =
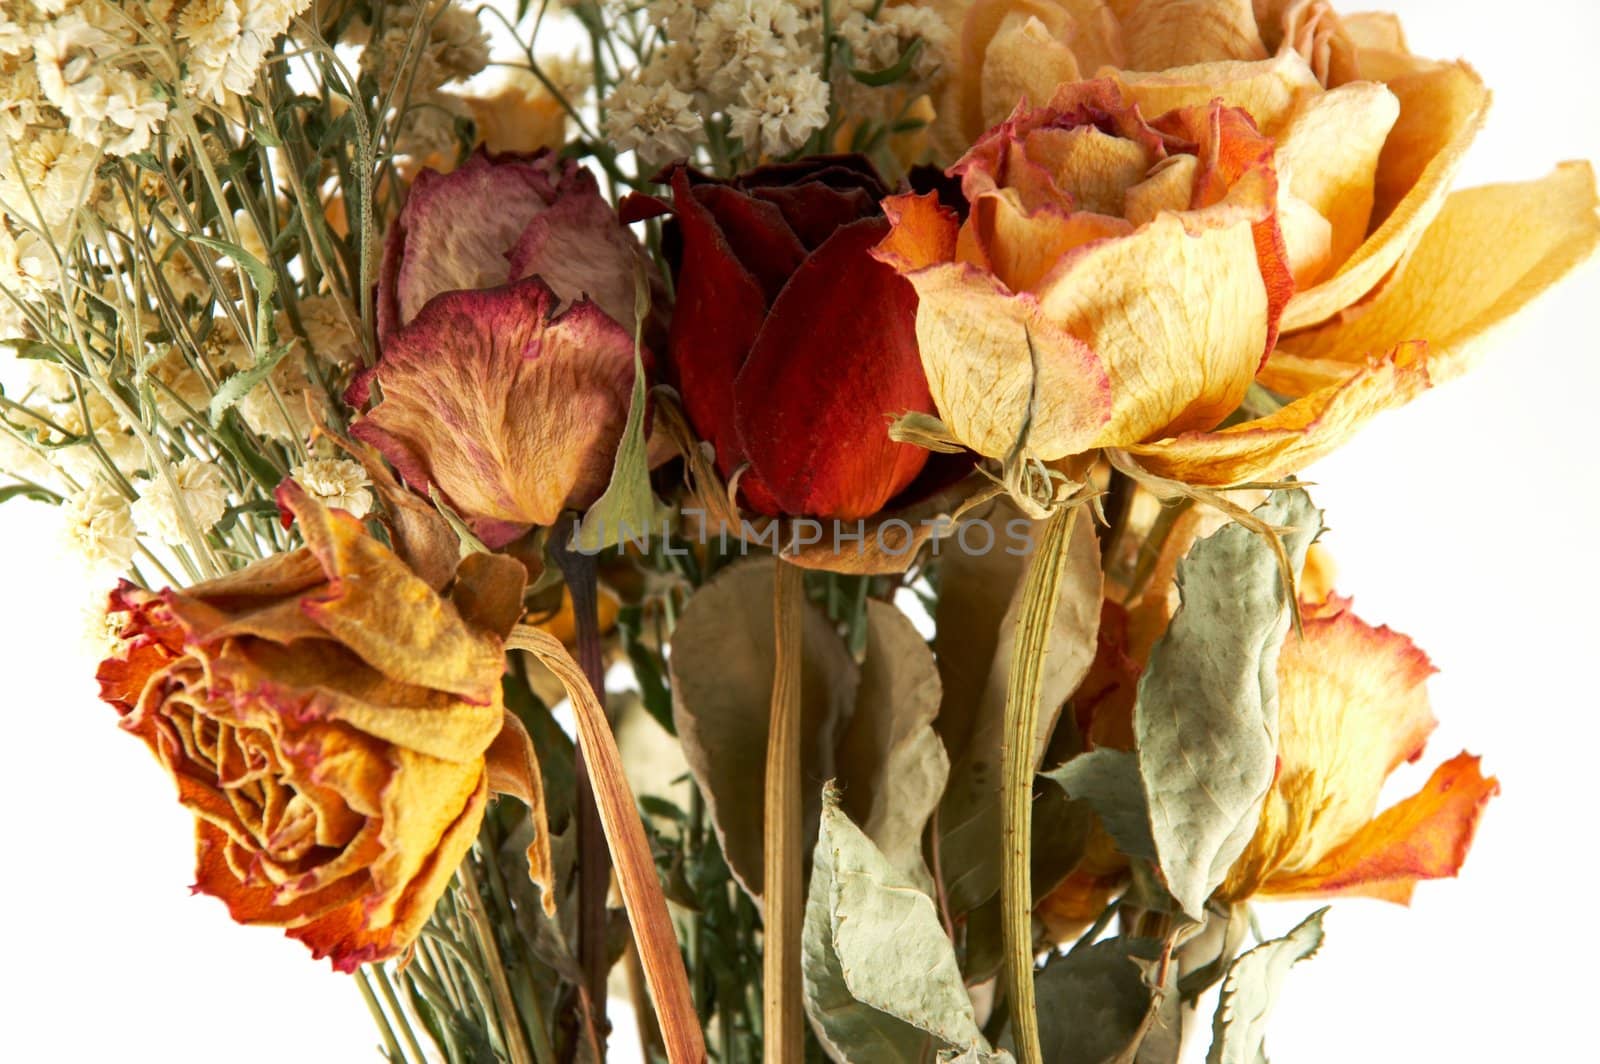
<point x="335" y="726"/>
<point x="1394" y="276"/>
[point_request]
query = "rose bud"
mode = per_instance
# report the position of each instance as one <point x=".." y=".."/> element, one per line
<point x="792" y="347"/>
<point x="506" y="323"/>
<point x="326" y="716"/>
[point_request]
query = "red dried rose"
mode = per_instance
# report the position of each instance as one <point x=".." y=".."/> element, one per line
<point x="792" y="346"/>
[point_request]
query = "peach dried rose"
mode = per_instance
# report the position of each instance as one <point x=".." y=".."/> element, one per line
<point x="1352" y="707"/>
<point x="334" y="725"/>
<point x="1395" y="276"/>
<point x="1114" y="280"/>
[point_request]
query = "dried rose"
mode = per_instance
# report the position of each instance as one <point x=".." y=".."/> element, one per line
<point x="1114" y="281"/>
<point x="1368" y="139"/>
<point x="326" y="716"/>
<point x="793" y="348"/>
<point x="1352" y="707"/>
<point x="507" y="342"/>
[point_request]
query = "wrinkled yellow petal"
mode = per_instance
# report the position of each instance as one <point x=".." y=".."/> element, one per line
<point x="1427" y="836"/>
<point x="1375" y="29"/>
<point x="1352" y="706"/>
<point x="1441" y="111"/>
<point x="1025" y="61"/>
<point x="1328" y="154"/>
<point x="1168" y="187"/>
<point x="1159" y="34"/>
<point x="1270" y="90"/>
<point x="1272" y="447"/>
<point x="1021" y="249"/>
<point x="1178" y="318"/>
<point x="1000" y="371"/>
<point x="1307" y="238"/>
<point x="1490" y="251"/>
<point x="1096" y="169"/>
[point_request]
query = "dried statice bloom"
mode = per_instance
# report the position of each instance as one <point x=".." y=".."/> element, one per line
<point x="776" y="115"/>
<point x="654" y="118"/>
<point x="201" y="492"/>
<point x="98" y="528"/>
<point x="229" y="40"/>
<point x="336" y="482"/>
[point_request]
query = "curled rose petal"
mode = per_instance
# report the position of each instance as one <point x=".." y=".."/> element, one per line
<point x="511" y="411"/>
<point x="1426" y="836"/>
<point x="1303" y="431"/>
<point x="1500" y="245"/>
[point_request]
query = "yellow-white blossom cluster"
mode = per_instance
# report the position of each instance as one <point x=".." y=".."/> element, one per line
<point x="770" y="68"/>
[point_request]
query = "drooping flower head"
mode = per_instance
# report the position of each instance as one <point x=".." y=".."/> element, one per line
<point x="326" y="716"/>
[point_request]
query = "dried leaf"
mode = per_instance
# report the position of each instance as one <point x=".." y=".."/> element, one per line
<point x="721" y="663"/>
<point x="881" y="980"/>
<point x="1206" y="721"/>
<point x="1094" y="1003"/>
<point x="1251" y="989"/>
<point x="892" y="767"/>
<point x="1109" y="781"/>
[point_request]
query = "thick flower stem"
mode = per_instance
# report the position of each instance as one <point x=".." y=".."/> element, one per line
<point x="783" y="1029"/>
<point x="1040" y="596"/>
<point x="594" y="865"/>
<point x="636" y="870"/>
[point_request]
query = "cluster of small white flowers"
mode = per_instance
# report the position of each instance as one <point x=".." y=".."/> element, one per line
<point x="337" y="482"/>
<point x="201" y="492"/>
<point x="228" y="41"/>
<point x="97" y="526"/>
<point x="759" y="63"/>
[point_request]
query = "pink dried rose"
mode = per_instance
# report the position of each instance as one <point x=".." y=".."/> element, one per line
<point x="506" y="332"/>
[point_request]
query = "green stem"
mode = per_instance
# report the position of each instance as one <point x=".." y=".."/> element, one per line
<point x="1041" y="592"/>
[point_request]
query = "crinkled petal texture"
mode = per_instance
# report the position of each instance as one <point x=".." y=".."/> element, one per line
<point x="1115" y="281"/>
<point x="325" y="715"/>
<point x="792" y="346"/>
<point x="1369" y="136"/>
<point x="510" y="411"/>
<point x="500" y="218"/>
<point x="1352" y="708"/>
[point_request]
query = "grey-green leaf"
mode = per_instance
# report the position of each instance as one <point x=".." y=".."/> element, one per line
<point x="1207" y="713"/>
<point x="1095" y="1005"/>
<point x="1238" y="1030"/>
<point x="1109" y="781"/>
<point x="880" y="975"/>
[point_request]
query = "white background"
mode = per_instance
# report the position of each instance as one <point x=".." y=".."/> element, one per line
<point x="1466" y="520"/>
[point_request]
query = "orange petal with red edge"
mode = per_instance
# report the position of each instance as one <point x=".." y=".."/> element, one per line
<point x="1427" y="836"/>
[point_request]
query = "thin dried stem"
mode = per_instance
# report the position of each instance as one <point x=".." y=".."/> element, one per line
<point x="783" y="899"/>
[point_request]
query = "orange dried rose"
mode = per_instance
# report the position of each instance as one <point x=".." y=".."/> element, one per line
<point x="334" y="725"/>
<point x="1395" y="276"/>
